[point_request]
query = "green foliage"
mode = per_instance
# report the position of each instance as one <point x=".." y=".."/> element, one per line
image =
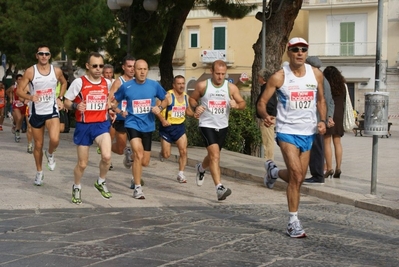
<point x="233" y="10"/>
<point x="243" y="135"/>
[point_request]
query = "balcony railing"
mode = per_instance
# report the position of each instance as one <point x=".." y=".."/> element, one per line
<point x="344" y="49"/>
<point x="337" y="2"/>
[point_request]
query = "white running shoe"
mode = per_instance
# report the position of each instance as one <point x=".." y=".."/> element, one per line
<point x="181" y="178"/>
<point x="268" y="179"/>
<point x="50" y="161"/>
<point x="39" y="179"/>
<point x="127" y="160"/>
<point x="295" y="229"/>
<point x="138" y="193"/>
<point x="199" y="178"/>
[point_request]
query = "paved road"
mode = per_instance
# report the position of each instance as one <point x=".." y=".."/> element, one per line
<point x="177" y="224"/>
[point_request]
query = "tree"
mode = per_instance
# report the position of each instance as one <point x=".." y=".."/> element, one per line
<point x="280" y="15"/>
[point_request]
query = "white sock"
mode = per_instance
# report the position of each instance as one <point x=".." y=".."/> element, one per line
<point x="274" y="173"/>
<point x="218" y="186"/>
<point x="77" y="186"/>
<point x="293" y="216"/>
<point x="180" y="173"/>
<point x="200" y="168"/>
<point x="100" y="180"/>
<point x="41" y="172"/>
<point x="137" y="186"/>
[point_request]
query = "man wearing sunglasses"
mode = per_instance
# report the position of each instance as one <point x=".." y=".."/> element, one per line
<point x="300" y="94"/>
<point x="44" y="106"/>
<point x="88" y="96"/>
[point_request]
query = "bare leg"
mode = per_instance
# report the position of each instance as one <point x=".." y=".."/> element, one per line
<point x="328" y="151"/>
<point x="338" y="151"/>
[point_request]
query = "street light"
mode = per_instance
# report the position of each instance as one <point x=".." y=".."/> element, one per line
<point x="114" y="5"/>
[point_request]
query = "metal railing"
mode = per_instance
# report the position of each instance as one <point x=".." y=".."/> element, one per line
<point x="344" y="49"/>
<point x="337" y="2"/>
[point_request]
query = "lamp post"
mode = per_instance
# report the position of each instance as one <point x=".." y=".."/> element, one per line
<point x="114" y="5"/>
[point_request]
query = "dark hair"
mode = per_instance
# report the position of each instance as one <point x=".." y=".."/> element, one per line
<point x="43" y="45"/>
<point x="336" y="80"/>
<point x="94" y="54"/>
<point x="127" y="58"/>
<point x="178" y="77"/>
<point x="17" y="76"/>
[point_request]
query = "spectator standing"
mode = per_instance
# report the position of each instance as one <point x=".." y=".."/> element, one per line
<point x="316" y="163"/>
<point x="334" y="134"/>
<point x="213" y="99"/>
<point x="2" y="105"/>
<point x="300" y="91"/>
<point x="267" y="132"/>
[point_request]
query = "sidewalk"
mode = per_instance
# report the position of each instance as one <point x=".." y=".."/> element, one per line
<point x="353" y="188"/>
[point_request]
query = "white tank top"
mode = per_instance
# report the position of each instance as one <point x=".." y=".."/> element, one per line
<point x="216" y="101"/>
<point x="296" y="107"/>
<point x="44" y="86"/>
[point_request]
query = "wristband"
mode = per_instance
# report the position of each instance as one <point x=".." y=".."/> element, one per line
<point x="61" y="98"/>
<point x="74" y="106"/>
<point x="160" y="108"/>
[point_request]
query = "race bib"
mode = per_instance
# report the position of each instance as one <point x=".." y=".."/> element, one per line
<point x="178" y="112"/>
<point x="302" y="99"/>
<point x="124" y="105"/>
<point x="141" y="106"/>
<point x="45" y="95"/>
<point x="18" y="103"/>
<point x="217" y="106"/>
<point x="96" y="102"/>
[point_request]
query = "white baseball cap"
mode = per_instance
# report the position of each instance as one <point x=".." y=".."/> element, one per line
<point x="296" y="41"/>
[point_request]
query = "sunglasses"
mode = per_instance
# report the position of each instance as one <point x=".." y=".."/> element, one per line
<point x="43" y="53"/>
<point x="95" y="66"/>
<point x="297" y="49"/>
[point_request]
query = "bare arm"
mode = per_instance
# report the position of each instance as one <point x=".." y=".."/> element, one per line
<point x="161" y="118"/>
<point x="236" y="102"/>
<point x="23" y="83"/>
<point x="195" y="98"/>
<point x="274" y="82"/>
<point x="321" y="102"/>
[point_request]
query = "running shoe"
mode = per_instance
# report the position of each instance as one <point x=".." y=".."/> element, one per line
<point x="268" y="179"/>
<point x="111" y="166"/>
<point x="199" y="178"/>
<point x="76" y="195"/>
<point x="98" y="150"/>
<point x="30" y="148"/>
<point x="161" y="159"/>
<point x="1" y="128"/>
<point x="127" y="160"/>
<point x="102" y="188"/>
<point x="223" y="192"/>
<point x="138" y="193"/>
<point x="50" y="161"/>
<point x="132" y="185"/>
<point x="17" y="136"/>
<point x="39" y="179"/>
<point x="181" y="178"/>
<point x="294" y="229"/>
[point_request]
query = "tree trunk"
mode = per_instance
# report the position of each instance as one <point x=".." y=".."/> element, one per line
<point x="182" y="9"/>
<point x="277" y="34"/>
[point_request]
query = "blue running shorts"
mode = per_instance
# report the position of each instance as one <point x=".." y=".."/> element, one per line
<point x="302" y="142"/>
<point x="172" y="133"/>
<point x="85" y="133"/>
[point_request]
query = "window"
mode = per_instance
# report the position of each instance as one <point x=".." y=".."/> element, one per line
<point x="194" y="38"/>
<point x="219" y="38"/>
<point x="347" y="38"/>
